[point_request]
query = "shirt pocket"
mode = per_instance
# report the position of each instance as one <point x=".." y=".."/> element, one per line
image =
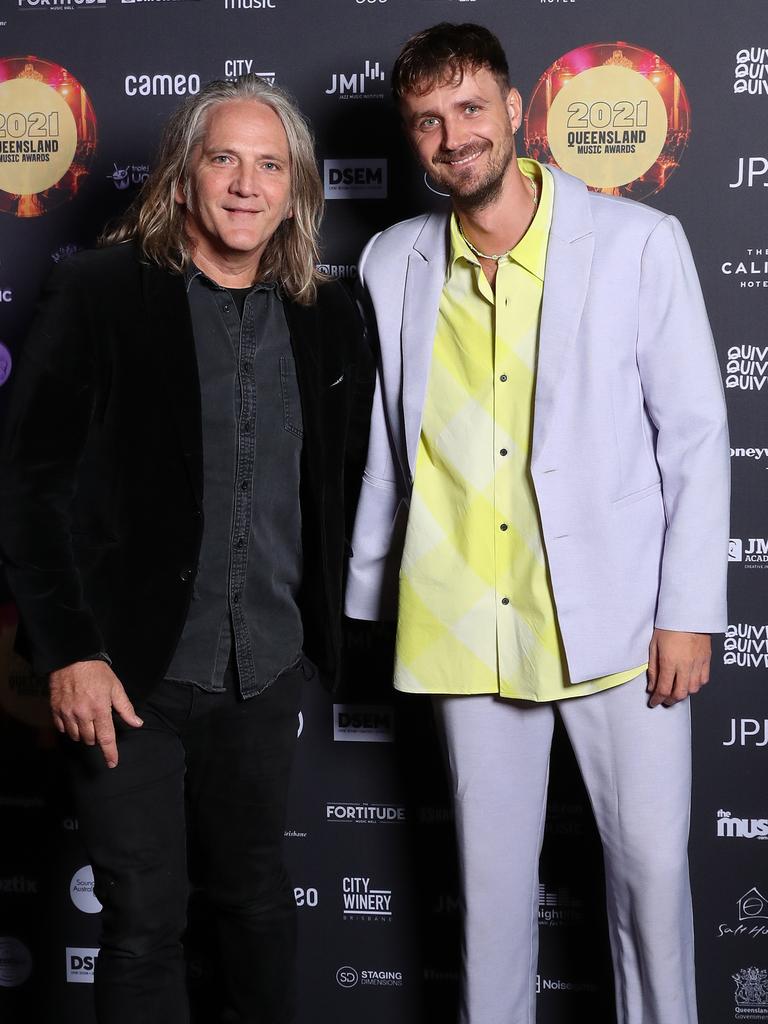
<point x="289" y="388"/>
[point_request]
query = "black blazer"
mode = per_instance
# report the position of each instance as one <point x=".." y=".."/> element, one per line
<point x="101" y="471"/>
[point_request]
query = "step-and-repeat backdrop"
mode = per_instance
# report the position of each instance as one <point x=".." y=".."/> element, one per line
<point x="662" y="102"/>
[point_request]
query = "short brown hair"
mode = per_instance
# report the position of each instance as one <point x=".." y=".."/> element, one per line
<point x="443" y="54"/>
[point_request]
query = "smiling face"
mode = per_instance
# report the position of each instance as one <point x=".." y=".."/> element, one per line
<point x="239" y="185"/>
<point x="463" y="134"/>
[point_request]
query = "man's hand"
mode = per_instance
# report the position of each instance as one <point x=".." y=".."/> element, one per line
<point x="82" y="698"/>
<point x="678" y="665"/>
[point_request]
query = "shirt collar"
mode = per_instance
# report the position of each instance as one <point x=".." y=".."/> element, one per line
<point x="191" y="272"/>
<point x="531" y="251"/>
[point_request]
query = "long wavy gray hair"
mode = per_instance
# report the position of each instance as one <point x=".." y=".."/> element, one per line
<point x="156" y="221"/>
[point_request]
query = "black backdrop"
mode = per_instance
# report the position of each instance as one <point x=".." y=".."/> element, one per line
<point x="369" y="810"/>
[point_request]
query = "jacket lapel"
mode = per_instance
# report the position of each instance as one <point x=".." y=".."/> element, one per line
<point x="566" y="280"/>
<point x="423" y="285"/>
<point x="173" y="344"/>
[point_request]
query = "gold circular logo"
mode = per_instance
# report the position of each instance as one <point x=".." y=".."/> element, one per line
<point x="608" y="126"/>
<point x="38" y="136"/>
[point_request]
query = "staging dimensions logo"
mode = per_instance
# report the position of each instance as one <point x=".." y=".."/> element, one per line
<point x="613" y="114"/>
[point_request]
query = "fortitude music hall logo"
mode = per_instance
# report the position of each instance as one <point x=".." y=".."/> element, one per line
<point x="613" y="114"/>
<point x="47" y="136"/>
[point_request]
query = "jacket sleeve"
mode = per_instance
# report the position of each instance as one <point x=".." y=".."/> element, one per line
<point x="45" y="432"/>
<point x="683" y="393"/>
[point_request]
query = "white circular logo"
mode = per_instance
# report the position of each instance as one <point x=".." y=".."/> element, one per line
<point x="15" y="962"/>
<point x="81" y="891"/>
<point x="347" y="977"/>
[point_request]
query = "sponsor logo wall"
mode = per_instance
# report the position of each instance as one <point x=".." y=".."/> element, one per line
<point x="84" y="87"/>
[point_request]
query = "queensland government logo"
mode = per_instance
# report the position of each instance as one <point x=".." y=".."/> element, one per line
<point x="752" y="910"/>
<point x="362" y="902"/>
<point x="751" y="72"/>
<point x="751" y="996"/>
<point x="729" y="827"/>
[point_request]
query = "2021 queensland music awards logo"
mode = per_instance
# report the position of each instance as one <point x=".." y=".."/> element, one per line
<point x="613" y="114"/>
<point x="47" y="136"/>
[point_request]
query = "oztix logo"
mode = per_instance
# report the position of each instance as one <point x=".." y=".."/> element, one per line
<point x="747" y="732"/>
<point x="751" y="170"/>
<point x="162" y="85"/>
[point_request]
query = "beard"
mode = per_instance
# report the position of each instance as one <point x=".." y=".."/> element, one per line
<point x="472" y="191"/>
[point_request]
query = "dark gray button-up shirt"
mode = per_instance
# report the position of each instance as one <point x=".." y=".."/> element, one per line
<point x="250" y="560"/>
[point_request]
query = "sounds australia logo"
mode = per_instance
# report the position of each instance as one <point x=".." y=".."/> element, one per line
<point x="751" y="73"/>
<point x="360" y="85"/>
<point x="746" y="645"/>
<point x="747" y="367"/>
<point x="751" y="996"/>
<point x="361" y="902"/>
<point x="729" y="827"/>
<point x="752" y="910"/>
<point x="753" y="554"/>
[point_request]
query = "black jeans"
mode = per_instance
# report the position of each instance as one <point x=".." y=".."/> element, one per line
<point x="214" y="769"/>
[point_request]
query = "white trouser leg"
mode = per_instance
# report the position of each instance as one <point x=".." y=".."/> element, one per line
<point x="636" y="765"/>
<point x="498" y="758"/>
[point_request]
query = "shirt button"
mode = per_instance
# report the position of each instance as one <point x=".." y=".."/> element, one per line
<point x="503" y="527"/>
<point x="185" y="575"/>
<point x="227" y="307"/>
<point x="247" y="365"/>
<point x="244" y="485"/>
<point x="505" y="600"/>
<point x="503" y="378"/>
<point x="239" y="542"/>
<point x="247" y="426"/>
<point x="503" y="451"/>
<point x="235" y="599"/>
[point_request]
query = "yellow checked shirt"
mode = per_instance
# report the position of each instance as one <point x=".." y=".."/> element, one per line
<point x="476" y="611"/>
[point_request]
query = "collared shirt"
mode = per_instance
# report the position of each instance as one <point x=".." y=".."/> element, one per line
<point x="250" y="559"/>
<point x="476" y="609"/>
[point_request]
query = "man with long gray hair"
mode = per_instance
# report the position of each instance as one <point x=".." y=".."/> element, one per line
<point x="181" y="457"/>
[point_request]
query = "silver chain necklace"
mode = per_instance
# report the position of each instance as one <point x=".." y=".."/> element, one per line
<point x="501" y="255"/>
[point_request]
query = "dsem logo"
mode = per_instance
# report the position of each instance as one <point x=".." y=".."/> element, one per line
<point x="80" y="963"/>
<point x="363" y="723"/>
<point x="355" y="179"/>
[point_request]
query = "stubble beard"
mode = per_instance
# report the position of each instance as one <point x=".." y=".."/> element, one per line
<point x="473" y="195"/>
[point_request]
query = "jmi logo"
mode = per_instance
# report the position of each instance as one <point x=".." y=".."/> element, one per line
<point x="358" y="84"/>
<point x="355" y="179"/>
<point x="756" y="550"/>
<point x="81" y="961"/>
<point x="741" y="828"/>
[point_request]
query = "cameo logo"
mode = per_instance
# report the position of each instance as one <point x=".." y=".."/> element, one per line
<point x="746" y="645"/>
<point x="748" y="732"/>
<point x="751" y="169"/>
<point x="753" y="917"/>
<point x="364" y="723"/>
<point x="162" y="85"/>
<point x="751" y="72"/>
<point x="359" y="85"/>
<point x="754" y="555"/>
<point x="81" y="961"/>
<point x="555" y="985"/>
<point x="81" y="891"/>
<point x="361" y="901"/>
<point x="344" y="270"/>
<point x="60" y="5"/>
<point x="558" y="906"/>
<point x="305" y="897"/>
<point x="355" y="179"/>
<point x="747" y="367"/>
<point x="234" y="67"/>
<point x="15" y="962"/>
<point x="129" y="176"/>
<point x="751" y="994"/>
<point x="19" y="885"/>
<point x="751" y="271"/>
<point x="6" y="364"/>
<point x="369" y="813"/>
<point x="249" y="5"/>
<point x="749" y="453"/>
<point x="729" y="827"/>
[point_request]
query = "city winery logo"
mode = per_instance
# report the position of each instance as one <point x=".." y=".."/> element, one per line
<point x="364" y="723"/>
<point x="361" y="902"/>
<point x="747" y="732"/>
<point x="751" y="994"/>
<point x="355" y="179"/>
<point x="15" y="962"/>
<point x="613" y="114"/>
<point x="746" y="645"/>
<point x="752" y="911"/>
<point x="729" y="827"/>
<point x="751" y="73"/>
<point x="360" y="85"/>
<point x="162" y="85"/>
<point x="559" y="907"/>
<point x="234" y="67"/>
<point x="125" y="176"/>
<point x="751" y="171"/>
<point x="349" y="977"/>
<point x="47" y="136"/>
<point x="369" y="814"/>
<point x="750" y="271"/>
<point x="753" y="554"/>
<point x="81" y="961"/>
<point x="747" y="367"/>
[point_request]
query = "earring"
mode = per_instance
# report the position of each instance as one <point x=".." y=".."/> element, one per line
<point x="445" y="195"/>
